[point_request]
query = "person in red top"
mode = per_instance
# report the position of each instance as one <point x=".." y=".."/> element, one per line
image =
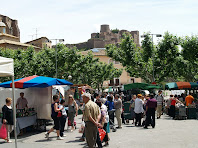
<point x="174" y="100"/>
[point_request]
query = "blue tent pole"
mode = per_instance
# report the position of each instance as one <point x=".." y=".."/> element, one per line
<point x="14" y="111"/>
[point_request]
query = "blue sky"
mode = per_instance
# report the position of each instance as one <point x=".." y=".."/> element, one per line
<point x="76" y="20"/>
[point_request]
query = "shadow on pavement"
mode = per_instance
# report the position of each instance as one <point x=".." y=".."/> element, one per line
<point x="130" y="126"/>
<point x="44" y="140"/>
<point x="73" y="141"/>
<point x="2" y="142"/>
<point x="28" y="134"/>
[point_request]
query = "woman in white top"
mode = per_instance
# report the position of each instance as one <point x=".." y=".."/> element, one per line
<point x="63" y="117"/>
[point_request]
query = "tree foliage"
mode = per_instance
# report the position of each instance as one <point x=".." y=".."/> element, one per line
<point x="84" y="69"/>
<point x="163" y="59"/>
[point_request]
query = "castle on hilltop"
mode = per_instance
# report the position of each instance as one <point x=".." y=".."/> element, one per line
<point x="105" y="37"/>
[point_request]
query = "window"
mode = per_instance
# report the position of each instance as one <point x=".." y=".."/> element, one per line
<point x="117" y="82"/>
<point x="4" y="30"/>
<point x="111" y="82"/>
<point x="132" y="80"/>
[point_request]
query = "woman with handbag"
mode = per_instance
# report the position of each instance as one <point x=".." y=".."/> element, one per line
<point x="55" y="117"/>
<point x="72" y="111"/>
<point x="7" y="118"/>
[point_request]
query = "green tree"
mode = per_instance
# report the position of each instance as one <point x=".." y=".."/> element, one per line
<point x="166" y="57"/>
<point x="189" y="63"/>
<point x="142" y="62"/>
<point x="104" y="72"/>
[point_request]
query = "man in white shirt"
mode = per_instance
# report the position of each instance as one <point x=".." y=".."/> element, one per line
<point x="138" y="109"/>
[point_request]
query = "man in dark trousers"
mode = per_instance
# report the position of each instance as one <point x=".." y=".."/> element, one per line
<point x="151" y="107"/>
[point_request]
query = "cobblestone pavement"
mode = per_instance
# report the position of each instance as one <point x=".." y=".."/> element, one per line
<point x="168" y="133"/>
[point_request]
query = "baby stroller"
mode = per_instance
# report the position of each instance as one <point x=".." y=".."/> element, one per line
<point x="111" y="120"/>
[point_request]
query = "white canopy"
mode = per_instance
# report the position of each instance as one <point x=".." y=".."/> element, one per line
<point x="6" y="67"/>
<point x="7" y="70"/>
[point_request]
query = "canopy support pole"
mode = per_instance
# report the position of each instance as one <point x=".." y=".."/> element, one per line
<point x="14" y="111"/>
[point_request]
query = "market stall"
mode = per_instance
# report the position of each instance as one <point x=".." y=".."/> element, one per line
<point x="191" y="110"/>
<point x="38" y="90"/>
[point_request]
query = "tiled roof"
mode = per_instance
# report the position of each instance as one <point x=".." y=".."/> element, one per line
<point x="38" y="39"/>
<point x="16" y="43"/>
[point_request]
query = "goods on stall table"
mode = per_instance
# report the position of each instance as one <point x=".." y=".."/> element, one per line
<point x="180" y="113"/>
<point x="25" y="112"/>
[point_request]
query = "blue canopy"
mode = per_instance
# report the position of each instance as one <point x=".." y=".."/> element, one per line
<point x="35" y="81"/>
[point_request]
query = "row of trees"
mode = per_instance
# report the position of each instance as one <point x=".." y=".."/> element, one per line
<point x="84" y="69"/>
<point x="165" y="60"/>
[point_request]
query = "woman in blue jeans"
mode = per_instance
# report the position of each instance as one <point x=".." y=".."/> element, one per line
<point x="63" y="118"/>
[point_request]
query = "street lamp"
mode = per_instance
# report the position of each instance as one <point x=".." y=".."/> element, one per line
<point x="69" y="77"/>
<point x="61" y="41"/>
<point x="157" y="35"/>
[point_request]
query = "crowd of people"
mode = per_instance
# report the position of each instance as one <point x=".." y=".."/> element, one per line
<point x="99" y="112"/>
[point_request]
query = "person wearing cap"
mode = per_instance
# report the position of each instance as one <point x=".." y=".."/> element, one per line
<point x="160" y="99"/>
<point x="21" y="102"/>
<point x="92" y="117"/>
<point x="138" y="109"/>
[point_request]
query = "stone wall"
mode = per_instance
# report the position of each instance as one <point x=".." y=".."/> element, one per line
<point x="11" y="26"/>
<point x="105" y="37"/>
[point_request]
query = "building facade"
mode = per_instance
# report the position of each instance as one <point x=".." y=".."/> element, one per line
<point x="11" y="26"/>
<point x="125" y="78"/>
<point x="105" y="37"/>
<point x="10" y="35"/>
<point x="42" y="42"/>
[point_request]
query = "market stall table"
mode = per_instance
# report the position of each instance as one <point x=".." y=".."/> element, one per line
<point x="23" y="122"/>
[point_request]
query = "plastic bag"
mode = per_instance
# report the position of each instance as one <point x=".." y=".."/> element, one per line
<point x="81" y="129"/>
<point x="3" y="132"/>
<point x="102" y="133"/>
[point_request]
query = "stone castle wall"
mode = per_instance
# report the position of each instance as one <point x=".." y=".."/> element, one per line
<point x="11" y="26"/>
<point x="105" y="37"/>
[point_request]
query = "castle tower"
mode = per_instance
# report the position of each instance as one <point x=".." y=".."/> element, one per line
<point x="2" y="27"/>
<point x="104" y="28"/>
